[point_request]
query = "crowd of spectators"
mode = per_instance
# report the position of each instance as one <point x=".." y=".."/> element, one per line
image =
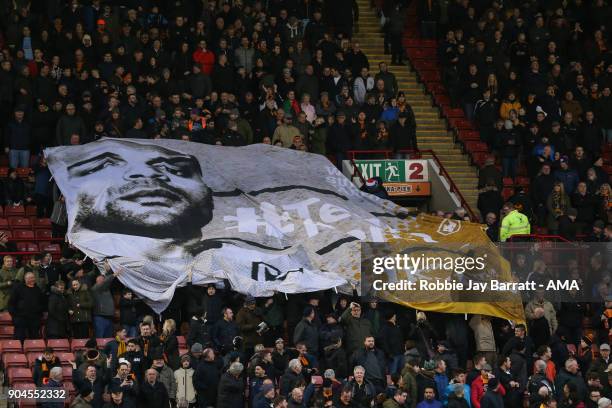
<point x="535" y="79"/>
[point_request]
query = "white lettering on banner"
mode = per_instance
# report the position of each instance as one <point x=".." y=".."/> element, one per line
<point x="312" y="228"/>
<point x="333" y="213"/>
<point x="274" y="221"/>
<point x="279" y="224"/>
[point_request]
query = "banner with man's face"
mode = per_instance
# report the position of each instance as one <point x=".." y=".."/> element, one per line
<point x="168" y="212"/>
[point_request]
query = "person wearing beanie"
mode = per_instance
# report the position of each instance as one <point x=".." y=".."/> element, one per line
<point x="231" y="388"/>
<point x="183" y="376"/>
<point x="307" y="332"/>
<point x="248" y="319"/>
<point x="265" y="397"/>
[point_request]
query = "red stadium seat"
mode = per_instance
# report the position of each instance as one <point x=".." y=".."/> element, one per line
<point x="441" y="100"/>
<point x="43" y="234"/>
<point x="34" y="345"/>
<point x="508" y="181"/>
<point x="32" y="359"/>
<point x="476" y="147"/>
<point x="14" y="360"/>
<point x="430" y="76"/>
<point x="7" y="332"/>
<point x="507" y="193"/>
<point x="522" y="181"/>
<point x="19" y="222"/>
<point x="460" y="124"/>
<point x="4" y="224"/>
<point x="59" y="345"/>
<point x="30" y="211"/>
<point x="27" y="247"/>
<point x="453" y="113"/>
<point x="468" y="135"/>
<point x="183" y="350"/>
<point x="67" y="373"/>
<point x="45" y="246"/>
<point x="23" y="234"/>
<point x="14" y="210"/>
<point x="436" y="89"/>
<point x="69" y="386"/>
<point x="42" y="223"/>
<point x="26" y="402"/>
<point x="77" y="344"/>
<point x="102" y="342"/>
<point x="10" y="346"/>
<point x="5" y="320"/>
<point x="65" y="358"/>
<point x="4" y="172"/>
<point x="19" y="375"/>
<point x="23" y="172"/>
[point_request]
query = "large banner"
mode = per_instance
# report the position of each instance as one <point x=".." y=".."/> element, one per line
<point x="167" y="212"/>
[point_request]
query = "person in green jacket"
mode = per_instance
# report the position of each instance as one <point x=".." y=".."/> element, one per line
<point x="409" y="373"/>
<point x="8" y="277"/>
<point x="356" y="327"/>
<point x="513" y="223"/>
<point x="80" y="303"/>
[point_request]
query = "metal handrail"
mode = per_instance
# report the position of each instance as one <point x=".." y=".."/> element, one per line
<point x="417" y="154"/>
<point x="539" y="237"/>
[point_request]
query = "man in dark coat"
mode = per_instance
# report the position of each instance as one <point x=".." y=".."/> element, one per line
<point x="493" y="398"/>
<point x="58" y="319"/>
<point x="153" y="393"/>
<point x="206" y="379"/>
<point x="231" y="388"/>
<point x="224" y="331"/>
<point x="26" y="306"/>
<point x="306" y="331"/>
<point x="373" y="360"/>
<point x="402" y="135"/>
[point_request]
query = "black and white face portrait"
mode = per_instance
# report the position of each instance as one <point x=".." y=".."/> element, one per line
<point x="144" y="190"/>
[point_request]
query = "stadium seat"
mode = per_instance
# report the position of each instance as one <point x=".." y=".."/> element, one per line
<point x="23" y="172"/>
<point x="102" y="342"/>
<point x="23" y="234"/>
<point x="27" y="247"/>
<point x="30" y="211"/>
<point x="14" y="210"/>
<point x="7" y="332"/>
<point x="476" y="147"/>
<point x="14" y="360"/>
<point x="59" y="345"/>
<point x="5" y="319"/>
<point x="522" y="181"/>
<point x="507" y="193"/>
<point x="183" y="350"/>
<point x="65" y="358"/>
<point x="453" y="113"/>
<point x="468" y="135"/>
<point x="46" y="246"/>
<point x="4" y="172"/>
<point x="460" y="124"/>
<point x="19" y="222"/>
<point x="67" y="373"/>
<point x="43" y="234"/>
<point x="34" y="345"/>
<point x="4" y="225"/>
<point x="508" y="181"/>
<point x="42" y="223"/>
<point x="26" y="403"/>
<point x="10" y="346"/>
<point x="31" y="357"/>
<point x="77" y="344"/>
<point x="19" y="375"/>
<point x="430" y="76"/>
<point x="436" y="89"/>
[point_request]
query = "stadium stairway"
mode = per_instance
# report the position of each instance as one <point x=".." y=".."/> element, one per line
<point x="432" y="129"/>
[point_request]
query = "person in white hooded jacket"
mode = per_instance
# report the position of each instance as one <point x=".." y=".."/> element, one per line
<point x="185" y="391"/>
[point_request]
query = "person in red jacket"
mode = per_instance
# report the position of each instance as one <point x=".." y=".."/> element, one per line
<point x="204" y="57"/>
<point x="479" y="386"/>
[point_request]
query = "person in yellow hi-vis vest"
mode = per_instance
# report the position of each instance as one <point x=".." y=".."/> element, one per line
<point x="513" y="223"/>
